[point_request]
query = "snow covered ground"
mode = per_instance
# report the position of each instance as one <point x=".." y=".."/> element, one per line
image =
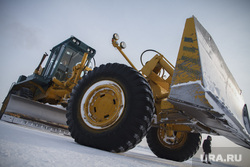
<point x="26" y="147"/>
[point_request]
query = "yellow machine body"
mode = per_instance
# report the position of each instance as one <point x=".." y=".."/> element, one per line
<point x="59" y="91"/>
<point x="197" y="95"/>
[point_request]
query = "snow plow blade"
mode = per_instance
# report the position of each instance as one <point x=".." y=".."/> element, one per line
<point x="28" y="109"/>
<point x="204" y="88"/>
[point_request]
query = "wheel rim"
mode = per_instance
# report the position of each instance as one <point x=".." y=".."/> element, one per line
<point x="171" y="139"/>
<point x="102" y="105"/>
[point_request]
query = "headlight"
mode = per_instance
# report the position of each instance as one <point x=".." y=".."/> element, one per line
<point x="123" y="45"/>
<point x="76" y="41"/>
<point x="90" y="50"/>
<point x="116" y="36"/>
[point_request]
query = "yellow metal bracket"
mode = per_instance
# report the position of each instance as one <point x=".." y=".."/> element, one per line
<point x="116" y="45"/>
<point x="63" y="89"/>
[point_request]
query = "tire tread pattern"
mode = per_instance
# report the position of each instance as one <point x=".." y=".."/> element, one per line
<point x="183" y="153"/>
<point x="136" y="120"/>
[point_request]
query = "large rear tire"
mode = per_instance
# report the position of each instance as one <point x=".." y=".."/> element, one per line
<point x="176" y="146"/>
<point x="111" y="108"/>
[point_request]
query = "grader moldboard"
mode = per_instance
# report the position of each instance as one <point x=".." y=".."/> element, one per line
<point x="114" y="106"/>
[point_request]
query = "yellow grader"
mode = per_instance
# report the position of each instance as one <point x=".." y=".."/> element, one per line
<point x="113" y="106"/>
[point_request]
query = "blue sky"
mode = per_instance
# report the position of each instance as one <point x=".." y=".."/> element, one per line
<point x="28" y="28"/>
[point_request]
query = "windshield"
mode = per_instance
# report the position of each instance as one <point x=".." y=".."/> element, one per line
<point x="69" y="59"/>
<point x="51" y="65"/>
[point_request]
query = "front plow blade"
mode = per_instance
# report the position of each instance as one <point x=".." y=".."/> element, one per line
<point x="204" y="88"/>
<point x="31" y="110"/>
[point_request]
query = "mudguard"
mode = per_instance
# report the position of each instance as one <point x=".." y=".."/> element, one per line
<point x="204" y="88"/>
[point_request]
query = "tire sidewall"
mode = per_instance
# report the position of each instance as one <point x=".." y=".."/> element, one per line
<point x="128" y="113"/>
<point x="188" y="149"/>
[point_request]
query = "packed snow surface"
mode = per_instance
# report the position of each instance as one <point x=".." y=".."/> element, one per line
<point x="26" y="147"/>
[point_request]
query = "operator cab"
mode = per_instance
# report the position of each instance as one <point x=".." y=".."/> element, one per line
<point x="64" y="57"/>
